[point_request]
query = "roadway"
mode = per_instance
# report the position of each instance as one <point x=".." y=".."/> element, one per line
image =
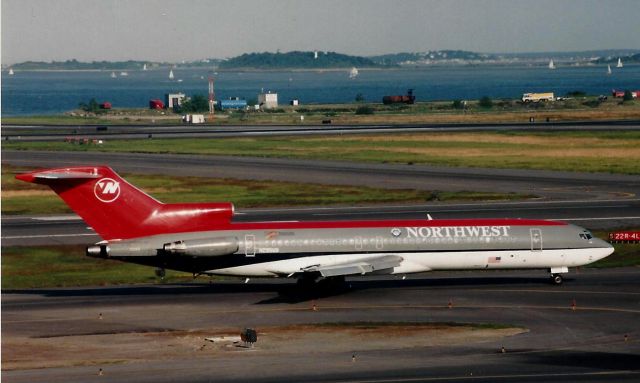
<point x="562" y="342"/>
<point x="58" y="132"/>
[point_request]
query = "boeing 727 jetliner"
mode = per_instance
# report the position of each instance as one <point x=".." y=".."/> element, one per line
<point x="201" y="238"/>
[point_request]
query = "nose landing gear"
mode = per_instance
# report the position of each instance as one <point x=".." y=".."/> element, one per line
<point x="556" y="274"/>
<point x="556" y="279"/>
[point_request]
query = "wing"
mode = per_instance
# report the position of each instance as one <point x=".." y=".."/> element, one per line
<point x="362" y="266"/>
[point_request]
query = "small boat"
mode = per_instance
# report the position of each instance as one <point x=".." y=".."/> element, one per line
<point x="551" y="64"/>
<point x="124" y="74"/>
<point x="144" y="67"/>
<point x="353" y="73"/>
<point x="608" y="69"/>
<point x="619" y="65"/>
<point x="171" y="74"/>
<point x="113" y="74"/>
<point x="179" y="80"/>
<point x="10" y="71"/>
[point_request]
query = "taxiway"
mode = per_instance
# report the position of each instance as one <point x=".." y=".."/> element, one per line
<point x="585" y="330"/>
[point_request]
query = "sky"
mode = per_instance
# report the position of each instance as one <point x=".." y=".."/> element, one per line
<point x="162" y="30"/>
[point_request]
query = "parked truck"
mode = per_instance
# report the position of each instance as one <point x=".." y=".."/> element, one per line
<point x="538" y="97"/>
<point x="409" y="98"/>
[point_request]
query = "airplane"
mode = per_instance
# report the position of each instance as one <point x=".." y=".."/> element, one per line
<point x="203" y="239"/>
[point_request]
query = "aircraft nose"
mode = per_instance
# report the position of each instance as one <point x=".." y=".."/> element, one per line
<point x="605" y="248"/>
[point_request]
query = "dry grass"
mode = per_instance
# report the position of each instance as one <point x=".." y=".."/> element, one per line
<point x="86" y="350"/>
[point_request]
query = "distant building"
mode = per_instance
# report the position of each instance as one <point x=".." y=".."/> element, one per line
<point x="268" y="100"/>
<point x="193" y="118"/>
<point x="295" y="102"/>
<point x="232" y="103"/>
<point x="174" y="99"/>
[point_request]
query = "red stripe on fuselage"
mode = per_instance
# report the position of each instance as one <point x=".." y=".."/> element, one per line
<point x="388" y="223"/>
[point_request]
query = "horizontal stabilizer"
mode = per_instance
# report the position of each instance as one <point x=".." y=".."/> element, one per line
<point x="60" y="174"/>
<point x="361" y="267"/>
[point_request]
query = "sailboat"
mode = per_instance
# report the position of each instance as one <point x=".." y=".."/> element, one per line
<point x="171" y="74"/>
<point x="113" y="74"/>
<point x="144" y="67"/>
<point x="619" y="63"/>
<point x="551" y="65"/>
<point x="10" y="71"/>
<point x="353" y="73"/>
<point x="608" y="69"/>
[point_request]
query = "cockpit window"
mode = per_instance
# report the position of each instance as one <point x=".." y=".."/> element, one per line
<point x="586" y="235"/>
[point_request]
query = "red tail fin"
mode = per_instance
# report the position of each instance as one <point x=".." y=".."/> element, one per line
<point x="116" y="209"/>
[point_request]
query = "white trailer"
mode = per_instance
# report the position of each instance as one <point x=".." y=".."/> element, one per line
<point x="537" y="97"/>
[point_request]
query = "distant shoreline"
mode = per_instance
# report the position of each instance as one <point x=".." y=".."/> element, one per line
<point x="559" y="66"/>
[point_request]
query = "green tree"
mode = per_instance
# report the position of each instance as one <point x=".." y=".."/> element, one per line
<point x="627" y="96"/>
<point x="197" y="103"/>
<point x="364" y="109"/>
<point x="359" y="97"/>
<point x="92" y="106"/>
<point x="485" y="102"/>
<point x="457" y="104"/>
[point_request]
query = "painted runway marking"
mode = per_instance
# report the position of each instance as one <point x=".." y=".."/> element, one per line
<point x="488" y="209"/>
<point x="48" y="236"/>
<point x="591" y="219"/>
<point x="58" y="218"/>
<point x="560" y="292"/>
<point x="489" y="377"/>
<point x="374" y="307"/>
<point x="447" y="205"/>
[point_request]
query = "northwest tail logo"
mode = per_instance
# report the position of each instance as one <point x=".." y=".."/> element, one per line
<point x="107" y="190"/>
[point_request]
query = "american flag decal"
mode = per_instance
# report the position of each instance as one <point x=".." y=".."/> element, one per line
<point x="493" y="259"/>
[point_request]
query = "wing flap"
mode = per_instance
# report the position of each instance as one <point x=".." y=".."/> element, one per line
<point x="359" y="267"/>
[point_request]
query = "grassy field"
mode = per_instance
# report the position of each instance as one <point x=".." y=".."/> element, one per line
<point x="503" y="111"/>
<point x="24" y="198"/>
<point x="67" y="266"/>
<point x="591" y="151"/>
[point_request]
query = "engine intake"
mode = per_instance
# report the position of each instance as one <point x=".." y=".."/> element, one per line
<point x="208" y="247"/>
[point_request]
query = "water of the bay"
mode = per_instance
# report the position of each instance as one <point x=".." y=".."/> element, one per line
<point x="54" y="92"/>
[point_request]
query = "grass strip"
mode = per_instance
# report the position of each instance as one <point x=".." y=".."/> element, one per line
<point x="23" y="198"/>
<point x="593" y="151"/>
<point x="67" y="266"/>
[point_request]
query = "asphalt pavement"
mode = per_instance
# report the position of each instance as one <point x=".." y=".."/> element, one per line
<point x="582" y="331"/>
<point x="546" y="184"/>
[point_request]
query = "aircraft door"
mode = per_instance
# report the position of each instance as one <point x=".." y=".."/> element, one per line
<point x="536" y="239"/>
<point x="249" y="245"/>
<point x="358" y="243"/>
<point x="379" y="243"/>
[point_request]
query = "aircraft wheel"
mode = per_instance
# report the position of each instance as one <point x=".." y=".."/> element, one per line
<point x="556" y="279"/>
<point x="306" y="282"/>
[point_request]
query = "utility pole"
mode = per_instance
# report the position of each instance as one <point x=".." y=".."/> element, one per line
<point x="212" y="98"/>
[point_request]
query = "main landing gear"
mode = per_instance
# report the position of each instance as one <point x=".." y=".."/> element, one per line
<point x="316" y="283"/>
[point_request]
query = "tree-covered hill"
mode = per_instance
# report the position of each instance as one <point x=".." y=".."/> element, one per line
<point x="296" y="59"/>
<point x="79" y="65"/>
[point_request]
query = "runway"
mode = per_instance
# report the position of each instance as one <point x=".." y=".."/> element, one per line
<point x="594" y="215"/>
<point x="547" y="184"/>
<point x="562" y="342"/>
<point x="57" y="132"/>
